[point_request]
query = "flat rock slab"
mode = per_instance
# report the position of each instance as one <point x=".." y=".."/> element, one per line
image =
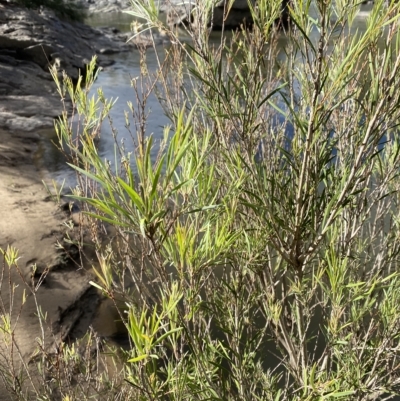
<point x="30" y="105"/>
<point x="105" y="6"/>
<point x="30" y="42"/>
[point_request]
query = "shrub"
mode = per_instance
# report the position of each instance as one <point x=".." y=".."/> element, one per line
<point x="257" y="256"/>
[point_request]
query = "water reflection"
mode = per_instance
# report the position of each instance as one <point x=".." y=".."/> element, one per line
<point x="121" y="21"/>
<point x="115" y="83"/>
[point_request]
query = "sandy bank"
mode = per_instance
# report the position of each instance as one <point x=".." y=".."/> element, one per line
<point x="30" y="220"/>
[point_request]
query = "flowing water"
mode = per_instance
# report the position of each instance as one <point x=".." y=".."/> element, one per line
<point x="115" y="83"/>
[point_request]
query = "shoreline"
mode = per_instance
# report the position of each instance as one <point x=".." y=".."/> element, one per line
<point x="30" y="220"/>
<point x="32" y="223"/>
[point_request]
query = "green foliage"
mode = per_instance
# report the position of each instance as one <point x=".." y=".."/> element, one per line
<point x="70" y="10"/>
<point x="57" y="370"/>
<point x="262" y="243"/>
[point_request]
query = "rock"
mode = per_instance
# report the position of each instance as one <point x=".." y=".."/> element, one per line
<point x="32" y="41"/>
<point x="105" y="61"/>
<point x="179" y="12"/>
<point x="146" y="39"/>
<point x="182" y="12"/>
<point x="105" y="6"/>
<point x="237" y="5"/>
<point x="235" y="19"/>
<point x="39" y="54"/>
<point x="108" y="51"/>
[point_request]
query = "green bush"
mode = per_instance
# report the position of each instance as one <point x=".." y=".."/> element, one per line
<point x="64" y="9"/>
<point x="257" y="257"/>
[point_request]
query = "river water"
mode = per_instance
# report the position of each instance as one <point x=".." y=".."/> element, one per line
<point x="115" y="83"/>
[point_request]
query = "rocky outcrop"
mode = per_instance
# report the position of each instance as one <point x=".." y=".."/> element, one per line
<point x="183" y="12"/>
<point x="105" y="6"/>
<point x="180" y="11"/>
<point x="31" y="41"/>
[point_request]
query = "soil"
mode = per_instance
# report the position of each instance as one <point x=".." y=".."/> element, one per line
<point x="33" y="223"/>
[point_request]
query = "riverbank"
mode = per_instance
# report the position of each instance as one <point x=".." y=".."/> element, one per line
<point x="30" y="220"/>
<point x="30" y="42"/>
<point x="34" y="224"/>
